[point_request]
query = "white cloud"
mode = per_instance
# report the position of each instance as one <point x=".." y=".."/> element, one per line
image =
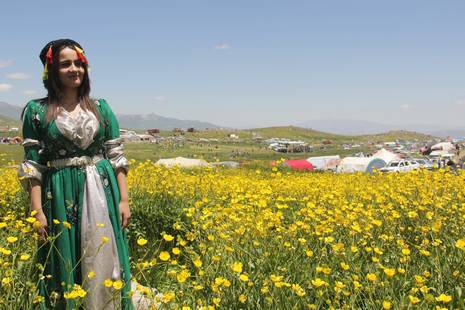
<point x="461" y="102"/>
<point x="5" y="87"/>
<point x="160" y="98"/>
<point x="30" y="92"/>
<point x="405" y="106"/>
<point x="18" y="76"/>
<point x="223" y="46"/>
<point x="6" y="63"/>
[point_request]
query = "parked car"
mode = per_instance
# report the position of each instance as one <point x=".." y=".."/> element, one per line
<point x="403" y="165"/>
<point x="424" y="163"/>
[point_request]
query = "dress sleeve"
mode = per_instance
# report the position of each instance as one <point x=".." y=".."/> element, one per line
<point x="113" y="144"/>
<point x="34" y="164"/>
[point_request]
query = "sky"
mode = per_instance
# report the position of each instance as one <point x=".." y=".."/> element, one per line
<point x="247" y="63"/>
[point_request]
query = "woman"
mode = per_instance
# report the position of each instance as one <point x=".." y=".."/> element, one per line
<point x="75" y="172"/>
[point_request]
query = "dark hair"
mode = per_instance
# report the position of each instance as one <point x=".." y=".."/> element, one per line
<point x="54" y="86"/>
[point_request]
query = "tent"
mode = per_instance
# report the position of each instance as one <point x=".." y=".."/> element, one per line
<point x="360" y="164"/>
<point x="299" y="164"/>
<point x="325" y="162"/>
<point x="386" y="155"/>
<point x="182" y="162"/>
<point x="226" y="164"/>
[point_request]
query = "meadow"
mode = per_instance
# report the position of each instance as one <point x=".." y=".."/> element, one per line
<point x="270" y="238"/>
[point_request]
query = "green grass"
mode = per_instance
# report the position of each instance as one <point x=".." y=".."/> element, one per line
<point x="246" y="149"/>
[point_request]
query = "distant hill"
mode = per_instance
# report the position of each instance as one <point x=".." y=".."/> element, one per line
<point x="9" y="122"/>
<point x="144" y="121"/>
<point x="346" y="126"/>
<point x="152" y="120"/>
<point x="9" y="110"/>
<point x="310" y="135"/>
<point x="360" y="127"/>
<point x="394" y="135"/>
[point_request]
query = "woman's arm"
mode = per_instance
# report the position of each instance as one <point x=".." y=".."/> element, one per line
<point x="35" y="191"/>
<point x="125" y="213"/>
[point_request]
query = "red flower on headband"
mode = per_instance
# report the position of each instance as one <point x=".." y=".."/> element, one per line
<point x="80" y="54"/>
<point x="49" y="56"/>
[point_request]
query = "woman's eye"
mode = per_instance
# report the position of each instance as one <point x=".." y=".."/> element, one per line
<point x="65" y="64"/>
<point x="78" y="63"/>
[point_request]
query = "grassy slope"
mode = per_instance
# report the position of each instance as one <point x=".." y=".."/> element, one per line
<point x="6" y="121"/>
<point x="244" y="150"/>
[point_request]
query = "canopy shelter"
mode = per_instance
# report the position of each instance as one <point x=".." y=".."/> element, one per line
<point x="299" y="164"/>
<point x="182" y="162"/>
<point x="386" y="155"/>
<point x="360" y="164"/>
<point x="325" y="162"/>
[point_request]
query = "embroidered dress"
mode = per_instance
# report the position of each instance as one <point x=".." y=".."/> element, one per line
<point x="75" y="158"/>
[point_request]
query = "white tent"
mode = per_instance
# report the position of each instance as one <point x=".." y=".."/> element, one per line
<point x="325" y="162"/>
<point x="446" y="147"/>
<point x="359" y="164"/>
<point x="386" y="155"/>
<point x="182" y="162"/>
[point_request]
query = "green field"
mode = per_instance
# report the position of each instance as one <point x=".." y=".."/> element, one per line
<point x="246" y="149"/>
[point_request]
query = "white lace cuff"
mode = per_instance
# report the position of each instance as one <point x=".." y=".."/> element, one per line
<point x="114" y="151"/>
<point x="29" y="169"/>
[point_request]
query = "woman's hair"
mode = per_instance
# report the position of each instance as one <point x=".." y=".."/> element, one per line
<point x="53" y="84"/>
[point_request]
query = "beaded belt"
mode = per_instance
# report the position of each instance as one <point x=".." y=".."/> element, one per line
<point x="75" y="161"/>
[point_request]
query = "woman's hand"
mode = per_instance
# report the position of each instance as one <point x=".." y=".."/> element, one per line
<point x="124" y="212"/>
<point x="41" y="228"/>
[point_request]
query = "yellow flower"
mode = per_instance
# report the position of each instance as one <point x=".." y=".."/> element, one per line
<point x="406" y="251"/>
<point x="309" y="253"/>
<point x="118" y="284"/>
<point x="460" y="244"/>
<point x="318" y="282"/>
<point x="176" y="251"/>
<point x="66" y="225"/>
<point x="444" y="298"/>
<point x="24" y="257"/>
<point x="11" y="239"/>
<point x="168" y="237"/>
<point x="243" y="277"/>
<point x="5" y="251"/>
<point x="38" y="299"/>
<point x="371" y="277"/>
<point x="237" y="267"/>
<point x="91" y="274"/>
<point x="216" y="300"/>
<point x="141" y="241"/>
<point x="198" y="262"/>
<point x="242" y="298"/>
<point x="413" y="300"/>
<point x="56" y="222"/>
<point x="108" y="283"/>
<point x="105" y="239"/>
<point x="168" y="297"/>
<point x="164" y="256"/>
<point x="390" y="272"/>
<point x="386" y="305"/>
<point x="345" y="266"/>
<point x="183" y="275"/>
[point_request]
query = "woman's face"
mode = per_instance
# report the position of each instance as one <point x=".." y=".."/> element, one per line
<point x="71" y="69"/>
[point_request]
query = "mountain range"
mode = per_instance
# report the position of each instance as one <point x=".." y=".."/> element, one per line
<point x="335" y="126"/>
<point x="360" y="127"/>
<point x="138" y="122"/>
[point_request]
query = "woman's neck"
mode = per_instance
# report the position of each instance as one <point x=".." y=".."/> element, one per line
<point x="69" y="98"/>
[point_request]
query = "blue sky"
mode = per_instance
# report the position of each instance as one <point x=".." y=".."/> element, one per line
<point x="252" y="63"/>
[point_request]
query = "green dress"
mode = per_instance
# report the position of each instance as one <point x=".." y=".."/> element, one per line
<point x="64" y="159"/>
